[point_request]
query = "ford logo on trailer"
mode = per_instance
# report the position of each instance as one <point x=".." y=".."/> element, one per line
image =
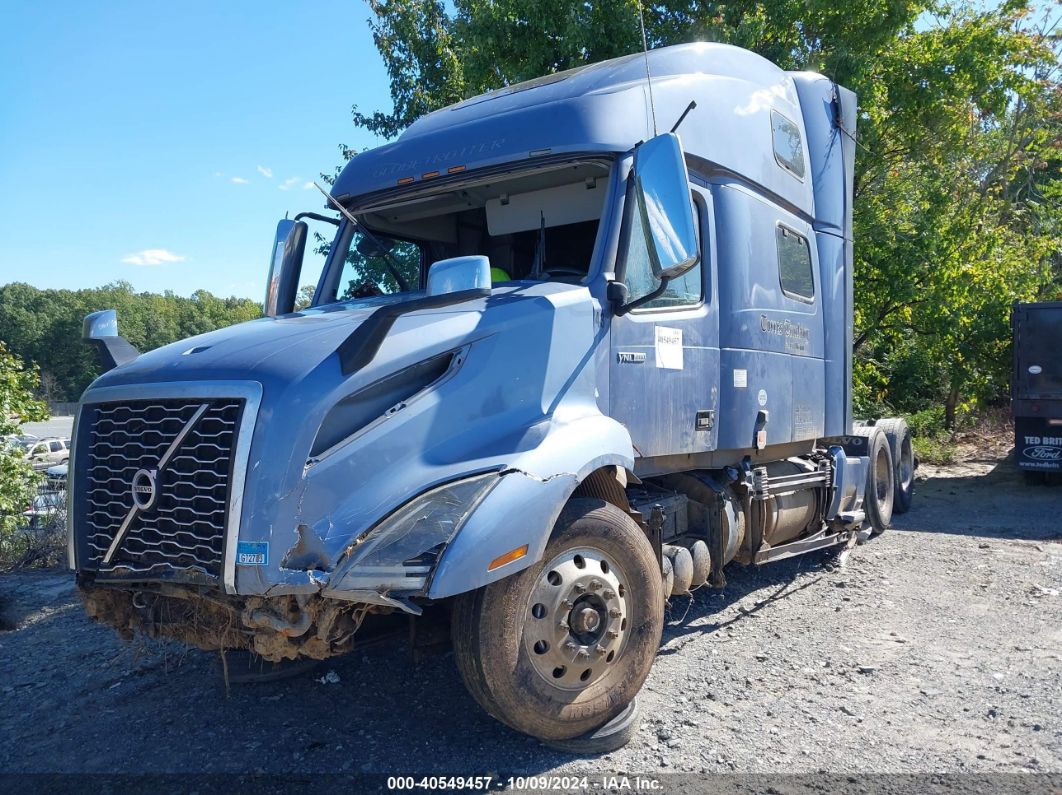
<point x="1043" y="453"/>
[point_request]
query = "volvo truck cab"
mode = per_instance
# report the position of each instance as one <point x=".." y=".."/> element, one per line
<point x="560" y="365"/>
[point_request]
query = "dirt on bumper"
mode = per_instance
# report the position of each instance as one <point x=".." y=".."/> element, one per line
<point x="275" y="628"/>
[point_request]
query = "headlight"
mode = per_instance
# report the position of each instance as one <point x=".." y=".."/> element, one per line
<point x="399" y="553"/>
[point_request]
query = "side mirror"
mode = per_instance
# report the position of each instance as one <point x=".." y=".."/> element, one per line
<point x="662" y="195"/>
<point x="101" y="329"/>
<point x="459" y="274"/>
<point x="99" y="325"/>
<point x="285" y="267"/>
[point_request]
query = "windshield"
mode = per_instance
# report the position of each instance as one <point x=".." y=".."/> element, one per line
<point x="537" y="226"/>
<point x="370" y="268"/>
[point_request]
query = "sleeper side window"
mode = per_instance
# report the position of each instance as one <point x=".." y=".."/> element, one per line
<point x="638" y="276"/>
<point x="788" y="148"/>
<point x="794" y="264"/>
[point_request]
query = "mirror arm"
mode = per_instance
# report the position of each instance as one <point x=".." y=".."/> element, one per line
<point x="318" y="217"/>
<point x="623" y="309"/>
<point x="113" y="351"/>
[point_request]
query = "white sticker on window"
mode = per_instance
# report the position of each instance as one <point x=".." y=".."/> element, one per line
<point x="762" y="397"/>
<point x="1036" y="369"/>
<point x="669" y="348"/>
<point x="741" y="378"/>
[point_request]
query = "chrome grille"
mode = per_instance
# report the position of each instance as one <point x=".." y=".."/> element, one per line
<point x="183" y="530"/>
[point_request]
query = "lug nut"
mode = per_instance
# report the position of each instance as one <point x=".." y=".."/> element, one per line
<point x="600" y="649"/>
<point x="607" y="594"/>
<point x="562" y="624"/>
<point x="615" y="613"/>
<point x="568" y="604"/>
<point x="570" y="645"/>
<point x="613" y="633"/>
<point x="583" y="654"/>
<point x="594" y="585"/>
<point x="579" y="588"/>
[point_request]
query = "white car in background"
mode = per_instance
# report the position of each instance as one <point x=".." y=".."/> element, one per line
<point x="48" y="452"/>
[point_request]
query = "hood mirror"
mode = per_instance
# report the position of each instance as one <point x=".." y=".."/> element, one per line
<point x="101" y="330"/>
<point x="459" y="274"/>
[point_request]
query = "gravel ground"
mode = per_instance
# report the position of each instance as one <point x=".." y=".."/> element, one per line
<point x="936" y="647"/>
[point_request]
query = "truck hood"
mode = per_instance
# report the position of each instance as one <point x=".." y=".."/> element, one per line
<point x="268" y="350"/>
<point x="296" y="353"/>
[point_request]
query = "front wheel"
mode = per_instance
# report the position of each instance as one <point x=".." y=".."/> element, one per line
<point x="562" y="647"/>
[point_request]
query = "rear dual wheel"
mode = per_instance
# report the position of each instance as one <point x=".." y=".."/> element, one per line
<point x="562" y="647"/>
<point x="879" y="491"/>
<point x="903" y="460"/>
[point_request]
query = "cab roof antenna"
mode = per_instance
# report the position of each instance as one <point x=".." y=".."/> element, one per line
<point x="648" y="75"/>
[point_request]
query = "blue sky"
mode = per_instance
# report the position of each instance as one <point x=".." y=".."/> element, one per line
<point x="159" y="143"/>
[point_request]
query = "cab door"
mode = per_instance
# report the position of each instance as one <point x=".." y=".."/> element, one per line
<point x="662" y="373"/>
<point x="664" y="363"/>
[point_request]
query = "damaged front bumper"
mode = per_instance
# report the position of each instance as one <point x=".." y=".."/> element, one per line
<point x="435" y="545"/>
<point x="382" y="571"/>
<point x="275" y="628"/>
<point x="392" y="562"/>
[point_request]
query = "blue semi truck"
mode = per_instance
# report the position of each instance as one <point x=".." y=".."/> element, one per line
<point x="578" y="344"/>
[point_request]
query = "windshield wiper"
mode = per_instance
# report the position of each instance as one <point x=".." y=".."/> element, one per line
<point x="389" y="260"/>
<point x="540" y="248"/>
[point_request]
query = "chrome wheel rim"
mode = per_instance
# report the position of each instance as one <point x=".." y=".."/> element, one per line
<point x="576" y="621"/>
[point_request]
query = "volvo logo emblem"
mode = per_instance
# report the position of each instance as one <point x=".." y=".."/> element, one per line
<point x="143" y="488"/>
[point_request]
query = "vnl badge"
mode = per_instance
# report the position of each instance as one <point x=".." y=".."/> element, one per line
<point x="252" y="553"/>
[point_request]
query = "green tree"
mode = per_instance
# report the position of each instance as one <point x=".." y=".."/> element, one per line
<point x="368" y="274"/>
<point x="17" y="478"/>
<point x="305" y="296"/>
<point x="44" y="326"/>
<point x="954" y="220"/>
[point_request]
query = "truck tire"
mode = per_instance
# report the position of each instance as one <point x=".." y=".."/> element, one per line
<point x="561" y="648"/>
<point x="903" y="461"/>
<point x="880" y="487"/>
